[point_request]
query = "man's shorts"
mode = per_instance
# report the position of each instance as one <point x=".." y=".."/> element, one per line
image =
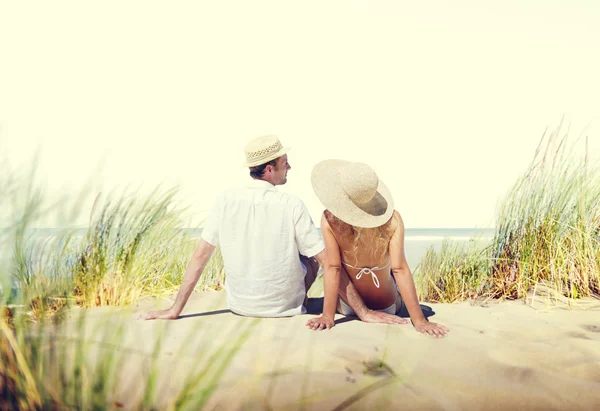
<point x="304" y="267"/>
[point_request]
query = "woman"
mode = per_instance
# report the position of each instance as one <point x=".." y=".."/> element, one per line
<point x="364" y="241"/>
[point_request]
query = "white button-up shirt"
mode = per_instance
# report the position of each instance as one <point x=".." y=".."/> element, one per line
<point x="261" y="231"/>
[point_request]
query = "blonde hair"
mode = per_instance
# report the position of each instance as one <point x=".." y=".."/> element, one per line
<point x="380" y="236"/>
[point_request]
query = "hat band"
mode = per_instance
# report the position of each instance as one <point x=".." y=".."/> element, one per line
<point x="265" y="152"/>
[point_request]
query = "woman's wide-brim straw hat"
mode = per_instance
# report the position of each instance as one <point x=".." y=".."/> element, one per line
<point x="263" y="149"/>
<point x="353" y="193"/>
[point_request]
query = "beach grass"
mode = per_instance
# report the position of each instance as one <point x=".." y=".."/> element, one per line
<point x="457" y="272"/>
<point x="547" y="230"/>
<point x="134" y="247"/>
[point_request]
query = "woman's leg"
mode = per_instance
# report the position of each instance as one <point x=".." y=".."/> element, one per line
<point x="347" y="295"/>
<point x="395" y="308"/>
<point x="399" y="303"/>
<point x="344" y="308"/>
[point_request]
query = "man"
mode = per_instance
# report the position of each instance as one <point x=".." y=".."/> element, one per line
<point x="267" y="239"/>
<point x="269" y="245"/>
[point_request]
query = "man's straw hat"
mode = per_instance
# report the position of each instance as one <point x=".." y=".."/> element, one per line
<point x="353" y="193"/>
<point x="263" y="149"/>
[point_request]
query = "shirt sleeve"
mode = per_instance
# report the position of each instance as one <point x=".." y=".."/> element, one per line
<point x="308" y="238"/>
<point x="210" y="231"/>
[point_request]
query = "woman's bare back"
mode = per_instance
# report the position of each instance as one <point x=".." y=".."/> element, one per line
<point x="367" y="247"/>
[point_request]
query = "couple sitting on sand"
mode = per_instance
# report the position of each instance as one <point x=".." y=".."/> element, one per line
<point x="272" y="250"/>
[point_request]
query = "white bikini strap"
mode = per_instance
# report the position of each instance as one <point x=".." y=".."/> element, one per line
<point x="367" y="270"/>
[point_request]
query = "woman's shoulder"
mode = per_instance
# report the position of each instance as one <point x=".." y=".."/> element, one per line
<point x="396" y="221"/>
<point x="326" y="217"/>
<point x="331" y="220"/>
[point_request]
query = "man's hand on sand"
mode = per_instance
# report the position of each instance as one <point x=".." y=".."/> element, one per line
<point x="383" y="318"/>
<point x="320" y="323"/>
<point x="158" y="315"/>
<point x="433" y="329"/>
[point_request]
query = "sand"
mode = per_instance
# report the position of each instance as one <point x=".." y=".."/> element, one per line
<point x="505" y="355"/>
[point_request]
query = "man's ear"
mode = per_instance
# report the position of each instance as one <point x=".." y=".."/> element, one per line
<point x="268" y="168"/>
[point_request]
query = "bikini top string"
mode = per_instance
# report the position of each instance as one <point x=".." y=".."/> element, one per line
<point x="368" y="271"/>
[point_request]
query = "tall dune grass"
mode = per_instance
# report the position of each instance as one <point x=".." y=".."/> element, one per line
<point x="456" y="273"/>
<point x="547" y="230"/>
<point x="548" y="226"/>
<point x="133" y="247"/>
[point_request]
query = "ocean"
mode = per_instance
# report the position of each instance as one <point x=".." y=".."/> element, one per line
<point x="416" y="240"/>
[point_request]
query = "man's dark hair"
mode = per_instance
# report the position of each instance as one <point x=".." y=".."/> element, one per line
<point x="259" y="171"/>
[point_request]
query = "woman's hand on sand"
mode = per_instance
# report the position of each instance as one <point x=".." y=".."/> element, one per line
<point x="433" y="329"/>
<point x="320" y="323"/>
<point x="383" y="318"/>
<point x="158" y="315"/>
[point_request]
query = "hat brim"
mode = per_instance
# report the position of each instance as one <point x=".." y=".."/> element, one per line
<point x="264" y="160"/>
<point x="327" y="185"/>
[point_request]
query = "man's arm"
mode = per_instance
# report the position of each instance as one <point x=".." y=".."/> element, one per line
<point x="192" y="274"/>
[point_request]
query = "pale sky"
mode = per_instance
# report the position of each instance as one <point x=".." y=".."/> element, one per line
<point x="446" y="100"/>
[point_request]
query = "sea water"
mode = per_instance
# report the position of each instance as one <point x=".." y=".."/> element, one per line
<point x="416" y="241"/>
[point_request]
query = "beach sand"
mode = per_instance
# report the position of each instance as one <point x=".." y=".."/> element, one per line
<point x="506" y="355"/>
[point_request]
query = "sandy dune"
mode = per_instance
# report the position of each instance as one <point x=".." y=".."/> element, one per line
<point x="498" y="356"/>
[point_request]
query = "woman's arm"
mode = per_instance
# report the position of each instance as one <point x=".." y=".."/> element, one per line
<point x="406" y="284"/>
<point x="333" y="276"/>
<point x="330" y="261"/>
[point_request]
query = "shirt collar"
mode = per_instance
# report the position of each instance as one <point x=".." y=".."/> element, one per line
<point x="262" y="184"/>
